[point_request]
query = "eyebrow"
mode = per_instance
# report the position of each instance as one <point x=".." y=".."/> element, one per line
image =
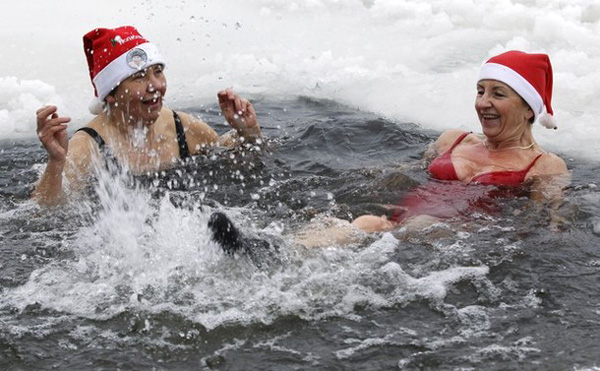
<point x="500" y="88"/>
<point x="494" y="87"/>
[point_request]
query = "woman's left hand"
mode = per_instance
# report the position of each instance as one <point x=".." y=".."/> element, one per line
<point x="240" y="114"/>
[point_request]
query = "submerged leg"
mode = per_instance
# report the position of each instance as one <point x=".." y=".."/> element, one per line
<point x="327" y="231"/>
<point x="372" y="223"/>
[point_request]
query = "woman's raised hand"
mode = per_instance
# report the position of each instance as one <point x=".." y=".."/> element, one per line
<point x="240" y="114"/>
<point x="52" y="131"/>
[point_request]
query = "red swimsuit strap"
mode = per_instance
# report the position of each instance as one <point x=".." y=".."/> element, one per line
<point x="457" y="142"/>
<point x="526" y="170"/>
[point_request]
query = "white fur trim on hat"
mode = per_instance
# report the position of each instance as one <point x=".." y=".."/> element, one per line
<point x="499" y="72"/>
<point x="134" y="60"/>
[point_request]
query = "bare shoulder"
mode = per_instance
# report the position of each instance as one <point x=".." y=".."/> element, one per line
<point x="195" y="126"/>
<point x="83" y="153"/>
<point x="550" y="164"/>
<point x="198" y="133"/>
<point x="83" y="147"/>
<point x="447" y="139"/>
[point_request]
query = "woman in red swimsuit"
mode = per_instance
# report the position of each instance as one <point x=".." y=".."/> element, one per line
<point x="514" y="91"/>
<point x="131" y="122"/>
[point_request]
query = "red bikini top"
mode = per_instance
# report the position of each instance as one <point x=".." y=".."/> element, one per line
<point x="442" y="168"/>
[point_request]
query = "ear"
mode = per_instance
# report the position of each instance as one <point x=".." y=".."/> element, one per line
<point x="529" y="114"/>
<point x="110" y="99"/>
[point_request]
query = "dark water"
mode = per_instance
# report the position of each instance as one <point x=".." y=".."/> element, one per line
<point x="126" y="278"/>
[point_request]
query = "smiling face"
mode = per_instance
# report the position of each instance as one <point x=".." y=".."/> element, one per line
<point x="503" y="114"/>
<point x="138" y="99"/>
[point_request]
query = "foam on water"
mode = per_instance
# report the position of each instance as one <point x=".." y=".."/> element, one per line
<point x="143" y="255"/>
<point x="408" y="60"/>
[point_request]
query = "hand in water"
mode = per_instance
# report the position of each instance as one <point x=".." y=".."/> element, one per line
<point x="52" y="131"/>
<point x="240" y="114"/>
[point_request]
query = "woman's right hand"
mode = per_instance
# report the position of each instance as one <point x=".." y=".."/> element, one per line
<point x="52" y="131"/>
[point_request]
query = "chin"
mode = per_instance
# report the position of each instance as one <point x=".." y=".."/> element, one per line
<point x="152" y="115"/>
<point x="490" y="129"/>
<point x="149" y="119"/>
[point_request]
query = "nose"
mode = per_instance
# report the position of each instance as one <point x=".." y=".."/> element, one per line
<point x="154" y="83"/>
<point x="483" y="101"/>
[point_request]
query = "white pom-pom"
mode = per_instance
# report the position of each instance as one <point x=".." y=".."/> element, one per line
<point x="96" y="106"/>
<point x="547" y="121"/>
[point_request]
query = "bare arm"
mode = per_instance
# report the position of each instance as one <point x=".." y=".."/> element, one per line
<point x="68" y="160"/>
<point x="238" y="112"/>
<point x="52" y="131"/>
<point x="199" y="135"/>
<point x="550" y="178"/>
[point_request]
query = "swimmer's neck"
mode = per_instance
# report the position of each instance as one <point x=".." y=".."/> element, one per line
<point x="523" y="141"/>
<point x="128" y="133"/>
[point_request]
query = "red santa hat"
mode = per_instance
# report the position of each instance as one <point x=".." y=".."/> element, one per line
<point x="113" y="55"/>
<point x="530" y="75"/>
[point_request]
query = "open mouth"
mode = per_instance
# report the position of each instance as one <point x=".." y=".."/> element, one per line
<point x="489" y="116"/>
<point x="153" y="102"/>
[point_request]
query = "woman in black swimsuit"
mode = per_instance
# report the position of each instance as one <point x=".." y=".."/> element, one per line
<point x="131" y="125"/>
<point x="131" y="122"/>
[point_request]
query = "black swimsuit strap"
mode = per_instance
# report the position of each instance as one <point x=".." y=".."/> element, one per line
<point x="184" y="151"/>
<point x="94" y="134"/>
